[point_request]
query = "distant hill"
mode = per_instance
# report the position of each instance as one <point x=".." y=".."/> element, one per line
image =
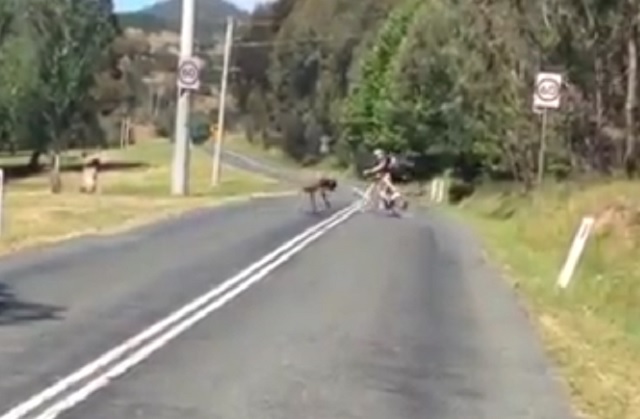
<point x="142" y="20"/>
<point x="166" y="15"/>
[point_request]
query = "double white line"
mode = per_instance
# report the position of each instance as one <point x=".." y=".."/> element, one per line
<point x="76" y="387"/>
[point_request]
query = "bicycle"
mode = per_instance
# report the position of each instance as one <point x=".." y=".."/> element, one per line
<point x="387" y="202"/>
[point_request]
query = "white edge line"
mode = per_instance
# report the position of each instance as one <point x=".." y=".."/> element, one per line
<point x="37" y="400"/>
<point x="148" y="349"/>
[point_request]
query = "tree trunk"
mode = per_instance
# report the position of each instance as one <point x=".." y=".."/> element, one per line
<point x="599" y="70"/>
<point x="630" y="103"/>
<point x="593" y="158"/>
<point x="34" y="161"/>
<point x="55" y="180"/>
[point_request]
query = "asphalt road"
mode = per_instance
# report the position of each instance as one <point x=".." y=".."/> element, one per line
<point x="378" y="318"/>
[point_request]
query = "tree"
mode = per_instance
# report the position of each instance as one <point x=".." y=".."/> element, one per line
<point x="71" y="37"/>
<point x="17" y="76"/>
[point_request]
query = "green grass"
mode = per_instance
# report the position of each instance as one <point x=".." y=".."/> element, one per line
<point x="154" y="179"/>
<point x="592" y="329"/>
<point x="239" y="144"/>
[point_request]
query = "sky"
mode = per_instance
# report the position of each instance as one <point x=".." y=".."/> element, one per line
<point x="133" y="5"/>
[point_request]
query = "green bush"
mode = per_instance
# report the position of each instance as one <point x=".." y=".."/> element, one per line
<point x="200" y="128"/>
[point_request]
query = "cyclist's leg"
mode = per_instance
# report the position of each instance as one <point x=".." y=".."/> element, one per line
<point x="386" y="179"/>
<point x="384" y="194"/>
<point x="396" y="194"/>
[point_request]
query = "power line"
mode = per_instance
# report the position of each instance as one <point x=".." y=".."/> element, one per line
<point x="249" y="44"/>
<point x="257" y="22"/>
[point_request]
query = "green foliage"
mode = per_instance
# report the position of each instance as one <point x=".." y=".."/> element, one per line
<point x="300" y="69"/>
<point x="70" y="38"/>
<point x="50" y="54"/>
<point x="367" y="108"/>
<point x="200" y="128"/>
<point x="165" y="122"/>
<point x="450" y="82"/>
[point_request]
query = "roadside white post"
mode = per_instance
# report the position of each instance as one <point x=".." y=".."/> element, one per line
<point x="432" y="190"/>
<point x="1" y="202"/>
<point x="577" y="247"/>
<point x="440" y="190"/>
<point x="436" y="190"/>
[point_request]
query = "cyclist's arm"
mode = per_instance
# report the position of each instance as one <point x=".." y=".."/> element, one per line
<point x="375" y="168"/>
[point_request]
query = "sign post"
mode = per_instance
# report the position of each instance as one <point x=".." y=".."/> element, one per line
<point x="546" y="96"/>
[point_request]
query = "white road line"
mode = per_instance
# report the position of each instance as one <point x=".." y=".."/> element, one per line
<point x="21" y="410"/>
<point x="146" y="350"/>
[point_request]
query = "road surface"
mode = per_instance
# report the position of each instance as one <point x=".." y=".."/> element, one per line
<point x="376" y="318"/>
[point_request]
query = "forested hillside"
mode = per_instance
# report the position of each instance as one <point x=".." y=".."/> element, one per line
<point x="449" y="81"/>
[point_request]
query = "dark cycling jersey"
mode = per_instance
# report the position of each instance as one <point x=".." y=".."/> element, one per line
<point x="387" y="164"/>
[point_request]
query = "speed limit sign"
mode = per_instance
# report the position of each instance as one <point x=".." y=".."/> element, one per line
<point x="189" y="74"/>
<point x="547" y="91"/>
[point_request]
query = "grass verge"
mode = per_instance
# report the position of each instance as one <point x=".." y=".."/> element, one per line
<point x="135" y="194"/>
<point x="239" y="144"/>
<point x="592" y="329"/>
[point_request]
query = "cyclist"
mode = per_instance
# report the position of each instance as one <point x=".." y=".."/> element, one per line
<point x="383" y="170"/>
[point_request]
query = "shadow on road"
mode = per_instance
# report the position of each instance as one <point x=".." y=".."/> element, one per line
<point x="15" y="311"/>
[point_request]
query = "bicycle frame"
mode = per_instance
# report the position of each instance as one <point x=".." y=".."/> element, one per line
<point x="367" y="194"/>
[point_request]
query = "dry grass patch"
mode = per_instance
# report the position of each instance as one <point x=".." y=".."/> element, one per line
<point x="592" y="329"/>
<point x="128" y="197"/>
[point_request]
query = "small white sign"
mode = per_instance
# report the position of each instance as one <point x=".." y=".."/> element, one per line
<point x="547" y="91"/>
<point x="189" y="74"/>
<point x="325" y="148"/>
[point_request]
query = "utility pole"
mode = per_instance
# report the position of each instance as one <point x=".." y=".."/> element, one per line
<point x="215" y="173"/>
<point x="180" y="168"/>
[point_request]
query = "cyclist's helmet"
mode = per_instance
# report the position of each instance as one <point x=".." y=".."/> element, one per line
<point x="379" y="153"/>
